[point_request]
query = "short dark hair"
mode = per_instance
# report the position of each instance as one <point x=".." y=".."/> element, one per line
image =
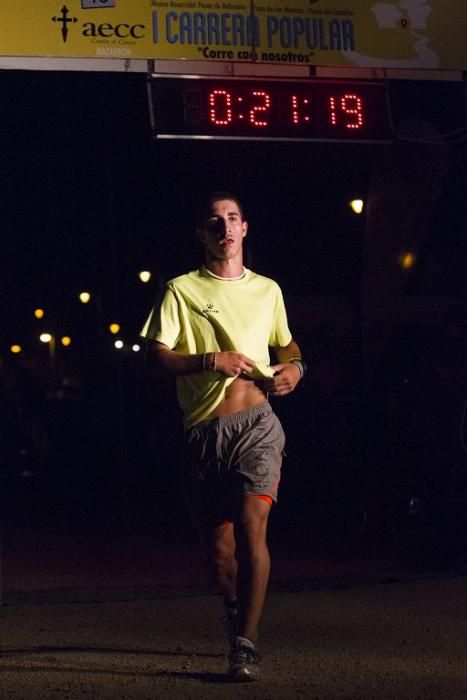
<point x="205" y="208"/>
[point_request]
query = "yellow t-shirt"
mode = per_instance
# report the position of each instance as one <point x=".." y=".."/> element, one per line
<point x="199" y="313"/>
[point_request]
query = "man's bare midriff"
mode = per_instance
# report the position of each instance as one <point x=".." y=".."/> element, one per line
<point x="241" y="394"/>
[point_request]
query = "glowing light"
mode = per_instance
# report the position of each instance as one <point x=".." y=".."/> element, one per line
<point x="145" y="276"/>
<point x="295" y="104"/>
<point x="260" y="108"/>
<point x="84" y="297"/>
<point x="226" y="99"/>
<point x="295" y="117"/>
<point x="352" y="106"/>
<point x="119" y="344"/>
<point x="66" y="340"/>
<point x="136" y="347"/>
<point x="39" y="313"/>
<point x="407" y="260"/>
<point x="350" y="110"/>
<point x="332" y="106"/>
<point x="114" y="328"/>
<point x="45" y="337"/>
<point x="357" y="205"/>
<point x="16" y="349"/>
<point x="271" y="108"/>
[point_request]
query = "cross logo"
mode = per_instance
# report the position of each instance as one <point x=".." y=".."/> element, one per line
<point x="64" y="20"/>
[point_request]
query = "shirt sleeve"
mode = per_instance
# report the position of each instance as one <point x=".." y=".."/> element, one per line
<point x="163" y="323"/>
<point x="280" y="334"/>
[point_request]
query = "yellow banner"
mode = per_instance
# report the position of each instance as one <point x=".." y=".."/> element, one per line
<point x="417" y="34"/>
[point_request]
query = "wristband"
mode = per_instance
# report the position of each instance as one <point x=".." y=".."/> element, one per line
<point x="209" y="362"/>
<point x="298" y="362"/>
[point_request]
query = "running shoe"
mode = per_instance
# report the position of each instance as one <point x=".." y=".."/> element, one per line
<point x="243" y="664"/>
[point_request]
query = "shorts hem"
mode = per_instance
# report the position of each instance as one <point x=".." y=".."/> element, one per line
<point x="254" y="493"/>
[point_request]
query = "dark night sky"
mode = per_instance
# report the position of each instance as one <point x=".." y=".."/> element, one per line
<point x="89" y="198"/>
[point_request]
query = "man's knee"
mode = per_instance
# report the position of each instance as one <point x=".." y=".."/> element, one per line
<point x="254" y="514"/>
<point x="251" y="527"/>
<point x="222" y="549"/>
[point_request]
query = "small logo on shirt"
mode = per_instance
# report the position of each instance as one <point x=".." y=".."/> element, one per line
<point x="209" y="309"/>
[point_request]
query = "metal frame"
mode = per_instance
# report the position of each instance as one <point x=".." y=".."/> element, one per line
<point x="282" y="77"/>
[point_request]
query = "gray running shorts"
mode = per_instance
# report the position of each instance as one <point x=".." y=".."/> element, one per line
<point x="227" y="457"/>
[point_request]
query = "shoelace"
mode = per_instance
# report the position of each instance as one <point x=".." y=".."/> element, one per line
<point x="246" y="655"/>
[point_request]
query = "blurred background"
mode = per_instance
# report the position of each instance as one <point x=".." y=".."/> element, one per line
<point x="376" y="296"/>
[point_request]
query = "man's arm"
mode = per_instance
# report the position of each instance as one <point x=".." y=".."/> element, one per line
<point x="287" y="375"/>
<point x="288" y="352"/>
<point x="160" y="358"/>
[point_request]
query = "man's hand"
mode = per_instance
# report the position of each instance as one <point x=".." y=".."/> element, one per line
<point x="233" y="363"/>
<point x="285" y="379"/>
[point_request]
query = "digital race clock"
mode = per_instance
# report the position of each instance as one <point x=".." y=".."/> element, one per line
<point x="303" y="110"/>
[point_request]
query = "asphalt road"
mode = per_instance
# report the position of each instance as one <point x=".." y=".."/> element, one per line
<point x="379" y="637"/>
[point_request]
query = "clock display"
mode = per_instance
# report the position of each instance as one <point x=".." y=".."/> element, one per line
<point x="304" y="110"/>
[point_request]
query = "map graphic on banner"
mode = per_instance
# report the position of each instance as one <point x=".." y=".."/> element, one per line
<point x="426" y="34"/>
<point x="408" y="13"/>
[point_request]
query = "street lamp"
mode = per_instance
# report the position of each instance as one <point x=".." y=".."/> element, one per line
<point x="16" y="349"/>
<point x="39" y="313"/>
<point x="407" y="260"/>
<point x="84" y="297"/>
<point x="357" y="205"/>
<point x="114" y="328"/>
<point x="48" y="339"/>
<point x="145" y="276"/>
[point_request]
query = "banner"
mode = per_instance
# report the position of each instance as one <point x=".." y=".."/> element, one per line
<point x="407" y="34"/>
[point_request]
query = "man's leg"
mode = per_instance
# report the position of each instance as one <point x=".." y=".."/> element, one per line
<point x="254" y="563"/>
<point x="247" y="544"/>
<point x="253" y="576"/>
<point x="220" y="546"/>
<point x="222" y="563"/>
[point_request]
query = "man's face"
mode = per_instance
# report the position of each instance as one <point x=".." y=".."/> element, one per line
<point x="224" y="230"/>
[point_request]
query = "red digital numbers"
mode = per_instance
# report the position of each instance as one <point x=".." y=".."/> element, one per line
<point x="220" y="107"/>
<point x="300" y="109"/>
<point x="260" y="109"/>
<point x="344" y="111"/>
<point x="265" y="100"/>
<point x="348" y="109"/>
<point x="224" y="107"/>
<point x="255" y="108"/>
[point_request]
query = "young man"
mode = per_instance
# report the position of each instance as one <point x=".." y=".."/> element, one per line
<point x="212" y="331"/>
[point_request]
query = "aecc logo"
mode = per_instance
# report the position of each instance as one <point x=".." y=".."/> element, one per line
<point x="104" y="30"/>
